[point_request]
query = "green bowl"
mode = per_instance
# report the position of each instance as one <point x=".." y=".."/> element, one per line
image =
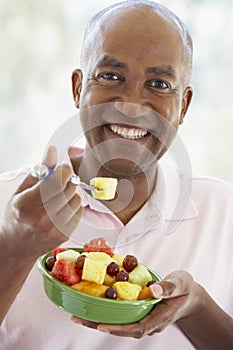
<point x="92" y="308"/>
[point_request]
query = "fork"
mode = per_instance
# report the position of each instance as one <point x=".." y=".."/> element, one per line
<point x="42" y="172"/>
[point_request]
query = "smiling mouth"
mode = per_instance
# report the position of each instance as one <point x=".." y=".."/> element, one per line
<point x="128" y="132"/>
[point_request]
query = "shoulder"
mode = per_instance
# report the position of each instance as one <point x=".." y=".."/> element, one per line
<point x="210" y="187"/>
<point x="203" y="194"/>
<point x="213" y="199"/>
<point x="200" y="187"/>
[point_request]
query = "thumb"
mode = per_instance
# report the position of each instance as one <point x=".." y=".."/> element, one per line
<point x="175" y="284"/>
<point x="50" y="159"/>
<point x="75" y="151"/>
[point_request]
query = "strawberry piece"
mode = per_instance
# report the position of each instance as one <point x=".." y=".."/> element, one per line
<point x="58" y="250"/>
<point x="65" y="271"/>
<point x="98" y="245"/>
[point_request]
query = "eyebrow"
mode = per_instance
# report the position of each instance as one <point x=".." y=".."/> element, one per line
<point x="107" y="61"/>
<point x="166" y="70"/>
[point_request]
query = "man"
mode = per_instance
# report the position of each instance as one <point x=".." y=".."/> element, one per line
<point x="132" y="89"/>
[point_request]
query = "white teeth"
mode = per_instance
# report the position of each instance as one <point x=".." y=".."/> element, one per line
<point x="124" y="132"/>
<point x="131" y="133"/>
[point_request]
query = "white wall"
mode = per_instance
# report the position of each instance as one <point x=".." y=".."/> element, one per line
<point x="39" y="48"/>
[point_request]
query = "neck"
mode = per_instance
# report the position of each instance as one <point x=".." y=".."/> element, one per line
<point x="132" y="194"/>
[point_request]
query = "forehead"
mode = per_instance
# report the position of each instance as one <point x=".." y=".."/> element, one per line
<point x="142" y="35"/>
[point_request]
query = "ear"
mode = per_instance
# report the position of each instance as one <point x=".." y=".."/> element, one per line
<point x="77" y="78"/>
<point x="186" y="100"/>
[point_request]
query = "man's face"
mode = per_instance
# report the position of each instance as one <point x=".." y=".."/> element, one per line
<point x="135" y="75"/>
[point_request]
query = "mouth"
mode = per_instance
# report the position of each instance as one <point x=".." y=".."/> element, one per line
<point x="128" y="132"/>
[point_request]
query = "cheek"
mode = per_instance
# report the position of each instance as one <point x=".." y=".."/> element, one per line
<point x="85" y="98"/>
<point x="173" y="111"/>
<point x="168" y="123"/>
<point x="92" y="138"/>
<point x="91" y="97"/>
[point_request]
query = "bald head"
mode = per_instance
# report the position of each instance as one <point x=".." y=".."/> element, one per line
<point x="143" y="11"/>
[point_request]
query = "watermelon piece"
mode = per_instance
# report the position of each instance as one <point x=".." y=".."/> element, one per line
<point x="65" y="271"/>
<point x="98" y="245"/>
<point x="58" y="250"/>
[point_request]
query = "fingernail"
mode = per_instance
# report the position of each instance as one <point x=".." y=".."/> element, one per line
<point x="102" y="329"/>
<point x="156" y="290"/>
<point x="76" y="320"/>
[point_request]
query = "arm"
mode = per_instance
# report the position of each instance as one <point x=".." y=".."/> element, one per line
<point x="34" y="222"/>
<point x="208" y="326"/>
<point x="186" y="303"/>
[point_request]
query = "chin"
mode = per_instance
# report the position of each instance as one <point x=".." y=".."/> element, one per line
<point x="123" y="169"/>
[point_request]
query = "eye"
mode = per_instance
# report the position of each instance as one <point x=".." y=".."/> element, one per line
<point x="109" y="76"/>
<point x="159" y="84"/>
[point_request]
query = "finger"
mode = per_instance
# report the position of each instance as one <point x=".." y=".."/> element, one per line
<point x="83" y="322"/>
<point x="166" y="312"/>
<point x="70" y="210"/>
<point x="76" y="157"/>
<point x="40" y="192"/>
<point x="68" y="217"/>
<point x="156" y="321"/>
<point x="63" y="226"/>
<point x="27" y="183"/>
<point x="133" y="330"/>
<point x="73" y="223"/>
<point x="175" y="284"/>
<point x="56" y="203"/>
<point x="75" y="151"/>
<point x="129" y="330"/>
<point x="56" y="183"/>
<point x="50" y="159"/>
<point x="161" y="315"/>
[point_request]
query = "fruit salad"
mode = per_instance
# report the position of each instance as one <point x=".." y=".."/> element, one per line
<point x="100" y="272"/>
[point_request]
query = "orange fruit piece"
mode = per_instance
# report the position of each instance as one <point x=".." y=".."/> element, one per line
<point x="144" y="294"/>
<point x="92" y="288"/>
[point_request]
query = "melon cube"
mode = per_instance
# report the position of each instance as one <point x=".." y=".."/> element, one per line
<point x="68" y="254"/>
<point x="140" y="275"/>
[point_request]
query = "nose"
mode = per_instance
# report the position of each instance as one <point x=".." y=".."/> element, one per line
<point x="132" y="100"/>
<point x="130" y="109"/>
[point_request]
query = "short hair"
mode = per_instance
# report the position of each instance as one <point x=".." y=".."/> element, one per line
<point x="142" y="4"/>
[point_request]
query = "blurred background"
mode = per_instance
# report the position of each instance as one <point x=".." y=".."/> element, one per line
<point x="40" y="43"/>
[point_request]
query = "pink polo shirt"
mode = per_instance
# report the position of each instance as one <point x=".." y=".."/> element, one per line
<point x="172" y="231"/>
